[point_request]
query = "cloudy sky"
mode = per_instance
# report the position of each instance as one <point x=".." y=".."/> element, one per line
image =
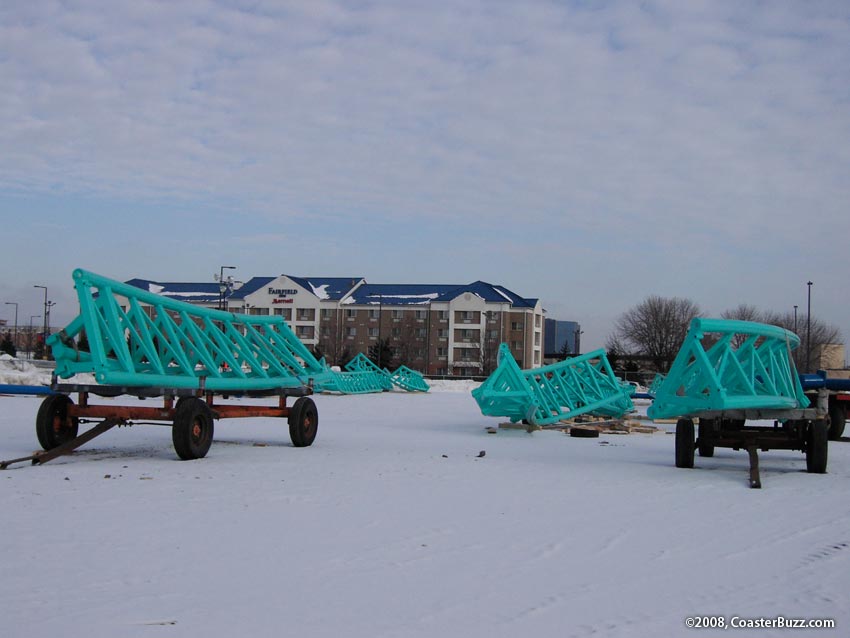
<point x="585" y="153"/>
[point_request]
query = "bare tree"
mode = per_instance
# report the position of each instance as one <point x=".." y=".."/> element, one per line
<point x="822" y="333"/>
<point x="655" y="328"/>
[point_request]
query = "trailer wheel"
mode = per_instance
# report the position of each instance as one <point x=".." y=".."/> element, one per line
<point x="817" y="447"/>
<point x="685" y="443"/>
<point x="837" y="419"/>
<point x="192" y="432"/>
<point x="705" y="437"/>
<point x="303" y="422"/>
<point x="53" y="426"/>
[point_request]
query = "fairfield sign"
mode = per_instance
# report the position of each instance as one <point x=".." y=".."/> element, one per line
<point x="282" y="294"/>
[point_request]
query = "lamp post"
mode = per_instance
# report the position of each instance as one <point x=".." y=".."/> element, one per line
<point x="222" y="285"/>
<point x="14" y="303"/>
<point x="795" y="318"/>
<point x="29" y="337"/>
<point x="578" y="333"/>
<point x="809" y="330"/>
<point x="50" y="304"/>
<point x="45" y="315"/>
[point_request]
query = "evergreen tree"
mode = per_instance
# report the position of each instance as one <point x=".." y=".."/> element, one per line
<point x="7" y="346"/>
<point x="381" y="353"/>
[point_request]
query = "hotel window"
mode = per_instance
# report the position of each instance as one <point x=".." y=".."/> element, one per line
<point x="397" y="314"/>
<point x="351" y="332"/>
<point x="374" y="314"/>
<point x="374" y="332"/>
<point x="350" y="313"/>
<point x="306" y="314"/>
<point x="286" y="313"/>
<point x="443" y="315"/>
<point x="326" y="313"/>
<point x="421" y="314"/>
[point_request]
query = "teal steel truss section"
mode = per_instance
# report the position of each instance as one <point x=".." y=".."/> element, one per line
<point x="383" y="379"/>
<point x="409" y="380"/>
<point x="362" y="365"/>
<point x="138" y="338"/>
<point x="581" y="385"/>
<point x="730" y="365"/>
<point x="351" y="382"/>
<point x="657" y="380"/>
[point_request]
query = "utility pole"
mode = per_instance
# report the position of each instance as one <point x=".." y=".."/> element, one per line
<point x="222" y="285"/>
<point x="809" y="331"/>
<point x="29" y="337"/>
<point x="46" y="314"/>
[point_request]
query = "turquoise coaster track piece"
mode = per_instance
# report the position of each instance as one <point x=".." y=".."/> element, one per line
<point x="656" y="383"/>
<point x="581" y="385"/>
<point x="409" y="380"/>
<point x="730" y="365"/>
<point x="155" y="341"/>
<point x="352" y="382"/>
<point x="362" y="365"/>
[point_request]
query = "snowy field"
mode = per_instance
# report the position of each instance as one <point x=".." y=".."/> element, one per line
<point x="393" y="525"/>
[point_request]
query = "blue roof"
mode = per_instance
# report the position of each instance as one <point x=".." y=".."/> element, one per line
<point x="333" y="288"/>
<point x="398" y="294"/>
<point x="252" y="285"/>
<point x="420" y="294"/>
<point x="202" y="292"/>
<point x="491" y="294"/>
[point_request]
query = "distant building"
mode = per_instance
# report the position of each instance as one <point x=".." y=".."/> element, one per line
<point x="559" y="334"/>
<point x="440" y="329"/>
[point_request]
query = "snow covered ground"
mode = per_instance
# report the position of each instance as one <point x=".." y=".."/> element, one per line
<point x="392" y="524"/>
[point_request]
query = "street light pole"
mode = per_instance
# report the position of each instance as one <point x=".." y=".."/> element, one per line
<point x="795" y="318"/>
<point x="809" y="331"/>
<point x="45" y="315"/>
<point x="14" y="303"/>
<point x="222" y="286"/>
<point x="29" y="337"/>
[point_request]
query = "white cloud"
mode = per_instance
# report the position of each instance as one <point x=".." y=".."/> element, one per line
<point x="702" y="124"/>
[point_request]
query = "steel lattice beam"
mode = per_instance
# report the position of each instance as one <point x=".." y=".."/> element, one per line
<point x="156" y="341"/>
<point x="581" y="385"/>
<point x="731" y="365"/>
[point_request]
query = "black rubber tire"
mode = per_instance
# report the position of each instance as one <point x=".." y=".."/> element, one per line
<point x="53" y="427"/>
<point x="705" y="437"/>
<point x="193" y="429"/>
<point x="817" y="447"/>
<point x="685" y="443"/>
<point x="584" y="433"/>
<point x="837" y="419"/>
<point x="303" y="422"/>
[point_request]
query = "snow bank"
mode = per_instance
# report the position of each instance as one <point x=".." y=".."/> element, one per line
<point x="21" y="372"/>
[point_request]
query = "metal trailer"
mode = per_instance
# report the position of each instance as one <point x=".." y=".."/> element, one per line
<point x="838" y="398"/>
<point x="190" y="414"/>
<point x="140" y="344"/>
<point x="729" y="372"/>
